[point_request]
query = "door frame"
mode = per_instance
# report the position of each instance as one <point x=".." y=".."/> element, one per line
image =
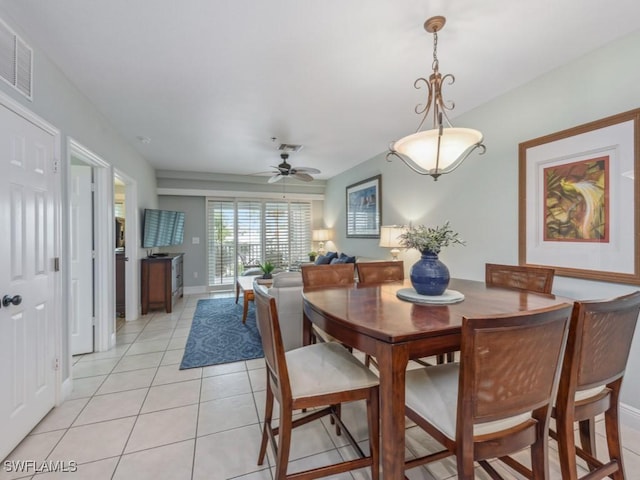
<point x="131" y="241"/>
<point x="104" y="246"/>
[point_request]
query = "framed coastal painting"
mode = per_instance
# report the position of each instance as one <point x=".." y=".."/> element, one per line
<point x="579" y="200"/>
<point x="364" y="208"/>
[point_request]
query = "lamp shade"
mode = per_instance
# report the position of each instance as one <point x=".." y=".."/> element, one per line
<point x="320" y="235"/>
<point x="390" y="236"/>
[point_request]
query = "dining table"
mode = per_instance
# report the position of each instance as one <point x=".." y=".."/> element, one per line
<point x="374" y="320"/>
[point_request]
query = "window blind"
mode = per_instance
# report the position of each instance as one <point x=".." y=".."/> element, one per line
<point x="243" y="233"/>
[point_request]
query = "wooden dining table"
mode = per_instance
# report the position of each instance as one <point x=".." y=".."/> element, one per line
<point x="374" y="320"/>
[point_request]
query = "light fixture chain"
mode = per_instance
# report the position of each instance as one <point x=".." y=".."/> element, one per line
<point x="435" y="63"/>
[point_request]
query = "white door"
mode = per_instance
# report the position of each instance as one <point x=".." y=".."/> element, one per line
<point x="27" y="333"/>
<point x="81" y="218"/>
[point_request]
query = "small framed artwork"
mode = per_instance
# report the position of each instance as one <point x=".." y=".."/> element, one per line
<point x="364" y="208"/>
<point x="579" y="200"/>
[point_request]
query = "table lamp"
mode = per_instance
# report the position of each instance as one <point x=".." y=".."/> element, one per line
<point x="320" y="235"/>
<point x="390" y="238"/>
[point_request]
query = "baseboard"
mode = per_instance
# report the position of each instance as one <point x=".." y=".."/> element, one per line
<point x="65" y="390"/>
<point x="630" y="416"/>
<point x="195" y="290"/>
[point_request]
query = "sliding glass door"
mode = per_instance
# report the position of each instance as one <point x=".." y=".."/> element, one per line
<point x="243" y="233"/>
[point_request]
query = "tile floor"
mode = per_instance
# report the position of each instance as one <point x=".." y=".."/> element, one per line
<point x="134" y="414"/>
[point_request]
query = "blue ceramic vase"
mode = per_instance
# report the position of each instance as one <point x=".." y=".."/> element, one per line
<point x="429" y="276"/>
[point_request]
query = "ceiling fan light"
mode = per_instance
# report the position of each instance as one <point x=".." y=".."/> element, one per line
<point x="421" y="148"/>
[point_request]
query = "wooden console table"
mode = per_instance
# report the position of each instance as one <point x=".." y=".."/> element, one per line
<point x="161" y="281"/>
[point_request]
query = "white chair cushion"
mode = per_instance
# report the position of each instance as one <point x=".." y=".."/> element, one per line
<point x="325" y="368"/>
<point x="432" y="393"/>
<point x="591" y="392"/>
<point x="287" y="279"/>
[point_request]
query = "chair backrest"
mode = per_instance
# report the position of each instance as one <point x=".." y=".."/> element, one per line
<point x="599" y="342"/>
<point x="534" y="279"/>
<point x="272" y="344"/>
<point x="510" y="365"/>
<point x="380" y="272"/>
<point x="328" y="275"/>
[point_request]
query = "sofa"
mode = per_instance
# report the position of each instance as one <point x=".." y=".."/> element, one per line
<point x="286" y="288"/>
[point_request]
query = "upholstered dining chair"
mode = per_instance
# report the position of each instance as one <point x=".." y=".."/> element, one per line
<point x="380" y="272"/>
<point x="533" y="279"/>
<point x="498" y="399"/>
<point x="597" y="351"/>
<point x="372" y="273"/>
<point x="338" y="274"/>
<point x="318" y="375"/>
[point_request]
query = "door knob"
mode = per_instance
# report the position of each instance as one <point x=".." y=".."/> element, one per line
<point x="8" y="300"/>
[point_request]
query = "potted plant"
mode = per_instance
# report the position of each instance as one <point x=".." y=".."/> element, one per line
<point x="429" y="276"/>
<point x="312" y="256"/>
<point x="267" y="269"/>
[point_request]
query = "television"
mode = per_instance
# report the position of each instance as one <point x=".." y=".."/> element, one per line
<point x="162" y="228"/>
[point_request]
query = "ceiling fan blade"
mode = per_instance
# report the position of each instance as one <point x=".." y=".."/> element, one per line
<point x="305" y="177"/>
<point x="275" y="178"/>
<point x="307" y="170"/>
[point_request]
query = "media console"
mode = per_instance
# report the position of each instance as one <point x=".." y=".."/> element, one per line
<point x="161" y="281"/>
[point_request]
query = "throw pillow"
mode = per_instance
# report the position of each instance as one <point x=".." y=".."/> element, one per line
<point x="322" y="260"/>
<point x="344" y="258"/>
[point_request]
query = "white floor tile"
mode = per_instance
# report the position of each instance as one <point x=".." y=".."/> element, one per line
<point x="94" y="442"/>
<point x="222" y="386"/>
<point x="226" y="414"/>
<point x="112" y="406"/>
<point x="163" y="427"/>
<point x="120" y="382"/>
<point x="98" y="470"/>
<point x="137" y="362"/>
<point x="172" y="395"/>
<point x="61" y="417"/>
<point x="35" y="448"/>
<point x="227" y="454"/>
<point x="172" y="374"/>
<point x="169" y="462"/>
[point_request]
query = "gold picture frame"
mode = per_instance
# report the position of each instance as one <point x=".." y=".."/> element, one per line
<point x="579" y="200"/>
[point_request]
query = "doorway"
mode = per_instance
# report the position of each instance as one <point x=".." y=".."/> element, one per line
<point x="103" y="231"/>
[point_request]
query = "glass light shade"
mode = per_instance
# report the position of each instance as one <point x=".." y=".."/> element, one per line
<point x="422" y="148"/>
<point x="320" y="235"/>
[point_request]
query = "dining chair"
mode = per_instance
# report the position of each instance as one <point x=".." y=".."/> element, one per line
<point x="380" y="272"/>
<point x="600" y="336"/>
<point x="319" y="375"/>
<point x="497" y="400"/>
<point x="533" y="279"/>
<point x="372" y="273"/>
<point x="335" y="275"/>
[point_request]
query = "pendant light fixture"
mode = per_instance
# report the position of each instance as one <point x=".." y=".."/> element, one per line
<point x="443" y="148"/>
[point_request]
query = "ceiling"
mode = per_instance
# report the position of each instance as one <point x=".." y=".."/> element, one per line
<point x="210" y="82"/>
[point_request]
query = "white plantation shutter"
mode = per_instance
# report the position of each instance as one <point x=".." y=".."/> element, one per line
<point x="300" y="232"/>
<point x="276" y="233"/>
<point x="249" y="233"/>
<point x="242" y="233"/>
<point x="221" y="241"/>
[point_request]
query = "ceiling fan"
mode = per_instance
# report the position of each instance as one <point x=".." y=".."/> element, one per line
<point x="286" y="170"/>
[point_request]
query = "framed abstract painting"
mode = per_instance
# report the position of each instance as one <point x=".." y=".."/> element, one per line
<point x="579" y="199"/>
<point x="364" y="206"/>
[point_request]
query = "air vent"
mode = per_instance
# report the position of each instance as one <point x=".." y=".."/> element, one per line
<point x="289" y="148"/>
<point x="16" y="61"/>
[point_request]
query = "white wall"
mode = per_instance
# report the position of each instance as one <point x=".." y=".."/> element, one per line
<point x="480" y="199"/>
<point x="59" y="102"/>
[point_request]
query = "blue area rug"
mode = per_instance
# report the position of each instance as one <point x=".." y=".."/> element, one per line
<point x="218" y="335"/>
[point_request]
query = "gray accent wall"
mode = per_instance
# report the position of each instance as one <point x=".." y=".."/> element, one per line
<point x="480" y="199"/>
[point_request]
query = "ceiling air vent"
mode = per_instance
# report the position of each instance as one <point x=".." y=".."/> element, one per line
<point x="289" y="148"/>
<point x="16" y="61"/>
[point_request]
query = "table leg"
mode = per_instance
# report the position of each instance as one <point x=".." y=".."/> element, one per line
<point x="392" y="364"/>
<point x="245" y="306"/>
<point x="237" y="291"/>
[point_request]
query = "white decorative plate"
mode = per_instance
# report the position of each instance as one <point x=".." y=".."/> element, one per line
<point x="448" y="297"/>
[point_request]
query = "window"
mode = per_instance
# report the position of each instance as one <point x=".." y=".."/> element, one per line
<point x="244" y="233"/>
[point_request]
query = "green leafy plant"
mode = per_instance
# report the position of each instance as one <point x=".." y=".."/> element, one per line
<point x="313" y="254"/>
<point x="430" y="239"/>
<point x="267" y="268"/>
